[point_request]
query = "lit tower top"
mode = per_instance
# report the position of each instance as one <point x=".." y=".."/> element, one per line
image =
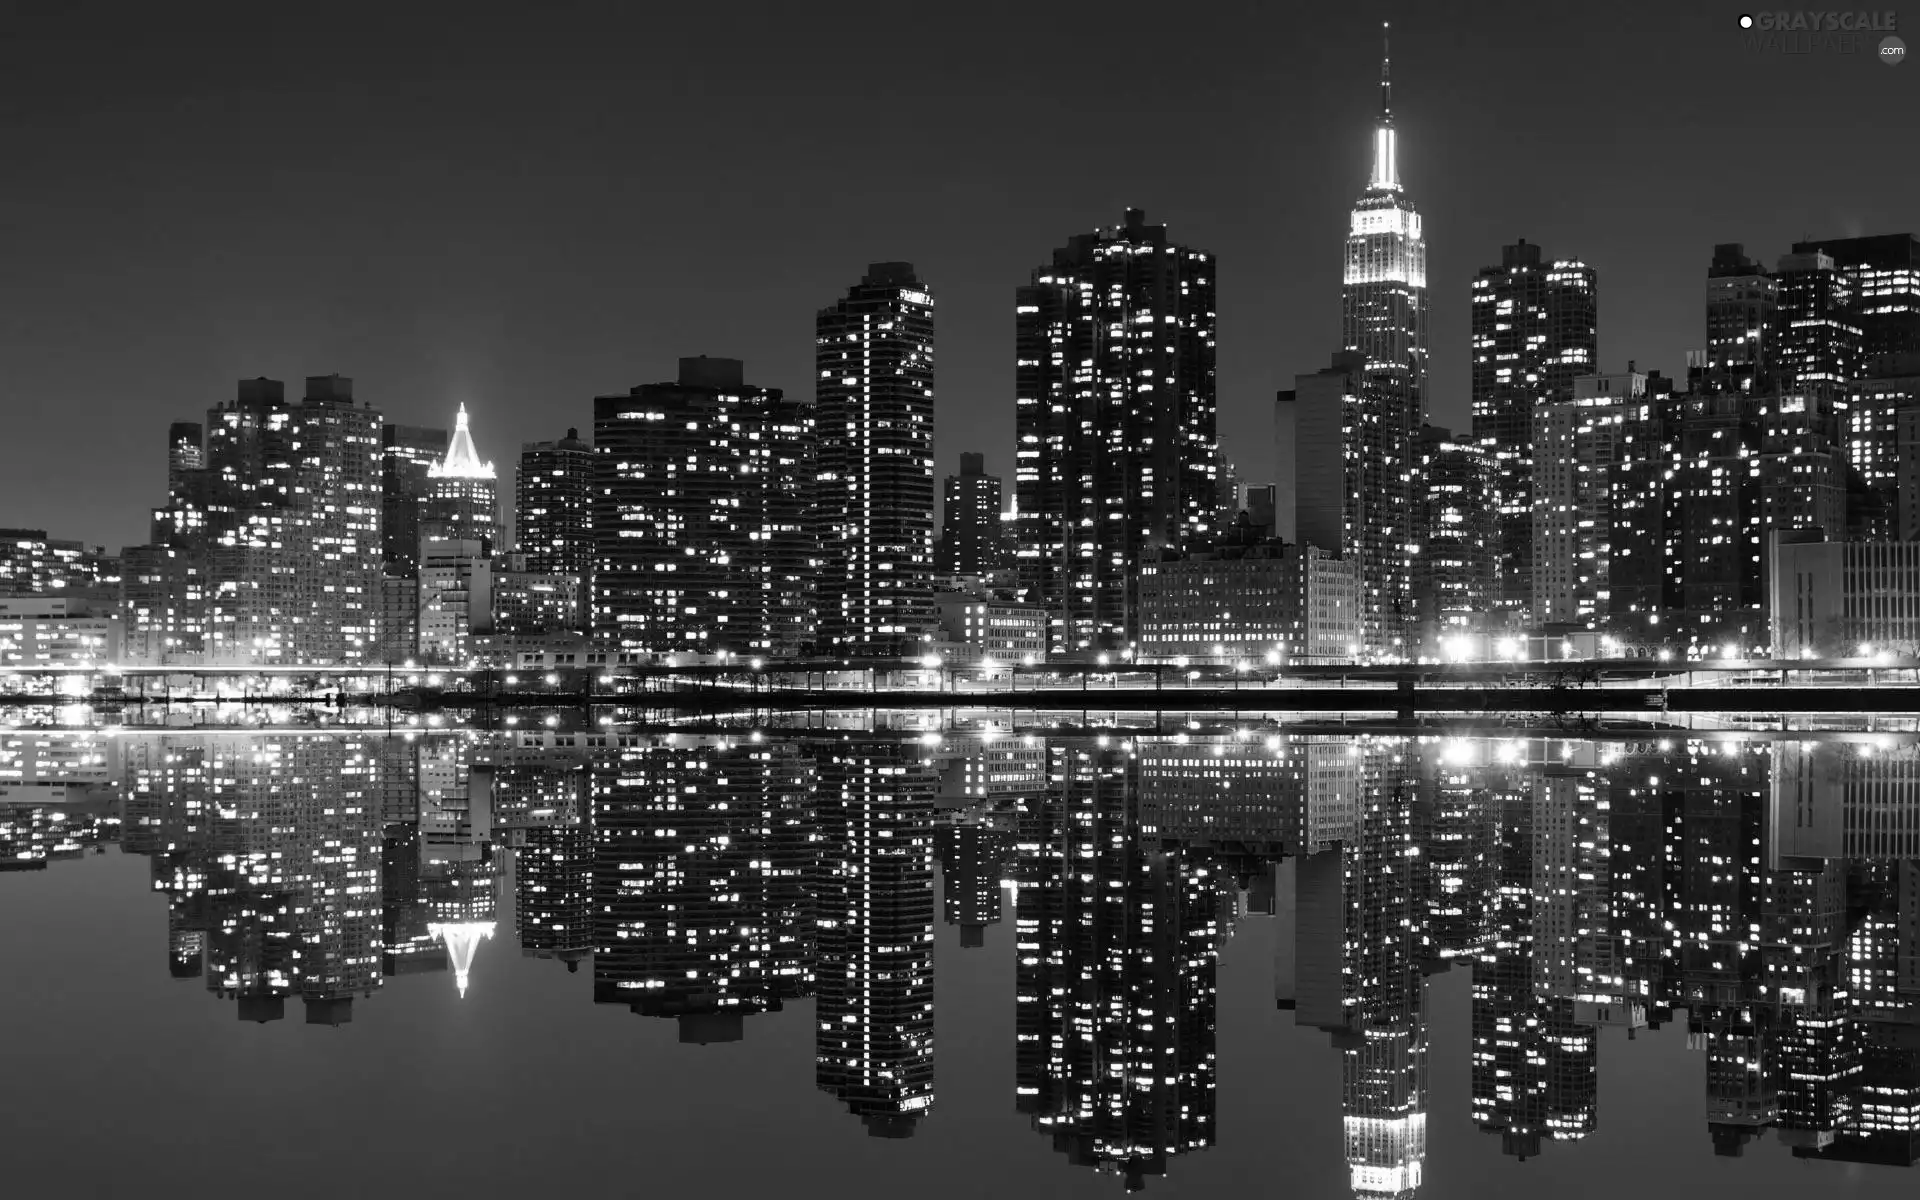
<point x="463" y="937"/>
<point x="462" y="461"/>
<point x="1386" y="162"/>
<point x="1384" y="298"/>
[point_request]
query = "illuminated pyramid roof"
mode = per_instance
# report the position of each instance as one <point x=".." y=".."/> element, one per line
<point x="462" y="939"/>
<point x="462" y="461"/>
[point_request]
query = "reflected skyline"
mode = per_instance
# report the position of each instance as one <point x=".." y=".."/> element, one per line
<point x="1761" y="898"/>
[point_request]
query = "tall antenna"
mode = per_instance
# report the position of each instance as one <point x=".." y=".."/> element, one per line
<point x="1386" y="86"/>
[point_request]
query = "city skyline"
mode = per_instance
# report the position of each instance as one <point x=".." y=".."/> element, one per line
<point x="477" y="349"/>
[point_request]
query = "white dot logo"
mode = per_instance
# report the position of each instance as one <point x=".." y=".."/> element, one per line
<point x="1746" y="22"/>
<point x="1893" y="51"/>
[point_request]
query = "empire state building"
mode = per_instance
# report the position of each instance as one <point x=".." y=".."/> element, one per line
<point x="1384" y="297"/>
<point x="1384" y="333"/>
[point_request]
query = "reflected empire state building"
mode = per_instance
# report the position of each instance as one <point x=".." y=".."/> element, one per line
<point x="1764" y="894"/>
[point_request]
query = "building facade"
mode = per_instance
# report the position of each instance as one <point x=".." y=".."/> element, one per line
<point x="1840" y="599"/>
<point x="1535" y="329"/>
<point x="1575" y="446"/>
<point x="1453" y="577"/>
<point x="407" y="454"/>
<point x="972" y="539"/>
<point x="703" y="534"/>
<point x="553" y="510"/>
<point x="1115" y="415"/>
<point x="1265" y="604"/>
<point x="874" y="406"/>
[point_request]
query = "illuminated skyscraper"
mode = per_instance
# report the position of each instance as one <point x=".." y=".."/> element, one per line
<point x="1817" y="336"/>
<point x="1355" y="490"/>
<point x="1535" y="329"/>
<point x="1575" y="445"/>
<point x="702" y="854"/>
<point x="291" y="526"/>
<point x="553" y="509"/>
<point x="1117" y="948"/>
<point x="874" y="390"/>
<point x="1453" y="577"/>
<point x="874" y="1011"/>
<point x="462" y="503"/>
<point x="1118" y="452"/>
<point x="702" y="536"/>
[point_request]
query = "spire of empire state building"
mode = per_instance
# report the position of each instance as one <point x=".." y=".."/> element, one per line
<point x="1386" y="165"/>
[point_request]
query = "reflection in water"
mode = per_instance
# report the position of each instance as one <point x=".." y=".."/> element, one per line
<point x="1766" y="894"/>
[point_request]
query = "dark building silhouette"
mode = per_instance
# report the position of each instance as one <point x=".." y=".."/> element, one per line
<point x="973" y="859"/>
<point x="972" y="541"/>
<point x="407" y="452"/>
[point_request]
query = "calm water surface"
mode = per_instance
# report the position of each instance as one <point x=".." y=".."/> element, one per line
<point x="310" y="964"/>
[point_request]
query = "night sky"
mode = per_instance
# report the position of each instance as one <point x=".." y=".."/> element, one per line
<point x="520" y="207"/>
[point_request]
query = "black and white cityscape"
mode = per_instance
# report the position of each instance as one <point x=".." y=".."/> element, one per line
<point x="1333" y="759"/>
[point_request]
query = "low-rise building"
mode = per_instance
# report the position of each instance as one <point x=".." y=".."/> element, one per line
<point x="535" y="601"/>
<point x="43" y="632"/>
<point x="1831" y="599"/>
<point x="1270" y="602"/>
<point x="991" y="627"/>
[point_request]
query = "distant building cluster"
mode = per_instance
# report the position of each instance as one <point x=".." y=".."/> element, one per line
<point x="711" y="517"/>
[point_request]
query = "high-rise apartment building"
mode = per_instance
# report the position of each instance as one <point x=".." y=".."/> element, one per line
<point x="1700" y="481"/>
<point x="1817" y="335"/>
<point x="1115" y="416"/>
<point x="1453" y="576"/>
<point x="873" y="1045"/>
<point x="1355" y="494"/>
<point x="462" y="501"/>
<point x="291" y="526"/>
<point x="1576" y="444"/>
<point x="407" y="454"/>
<point x="553" y="512"/>
<point x="1883" y="281"/>
<point x="1535" y="329"/>
<point x="553" y="506"/>
<point x="1741" y="299"/>
<point x="703" y="541"/>
<point x="972" y="541"/>
<point x="1117" y="943"/>
<point x="874" y="404"/>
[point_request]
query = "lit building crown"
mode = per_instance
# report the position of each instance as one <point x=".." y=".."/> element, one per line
<point x="462" y="461"/>
<point x="1386" y="159"/>
<point x="462" y="938"/>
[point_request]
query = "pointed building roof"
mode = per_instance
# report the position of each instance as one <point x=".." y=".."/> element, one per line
<point x="462" y="939"/>
<point x="1386" y="150"/>
<point x="462" y="461"/>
